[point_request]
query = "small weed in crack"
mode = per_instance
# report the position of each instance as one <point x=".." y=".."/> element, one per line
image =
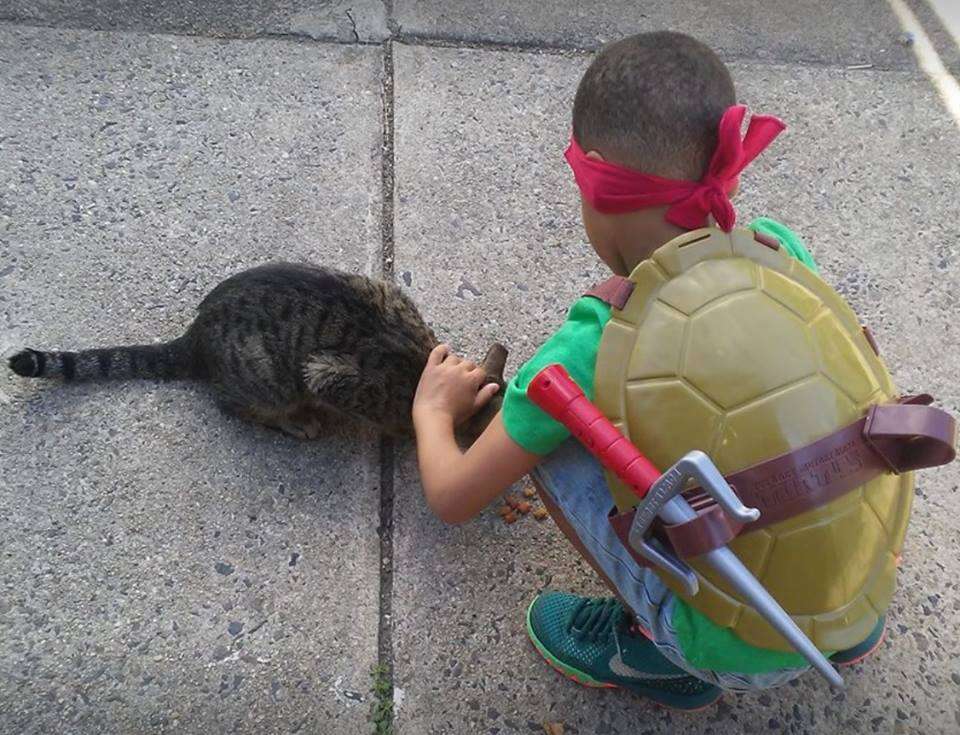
<point x="381" y="714"/>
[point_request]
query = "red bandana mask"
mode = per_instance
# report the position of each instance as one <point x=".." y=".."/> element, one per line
<point x="614" y="189"/>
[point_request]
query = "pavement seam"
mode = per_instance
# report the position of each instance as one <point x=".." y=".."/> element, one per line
<point x="385" y="531"/>
<point x="387" y="449"/>
<point x="387" y="163"/>
<point x="538" y="47"/>
<point x="262" y="35"/>
<point x="548" y="48"/>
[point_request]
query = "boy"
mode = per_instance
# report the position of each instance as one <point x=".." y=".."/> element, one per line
<point x="660" y="104"/>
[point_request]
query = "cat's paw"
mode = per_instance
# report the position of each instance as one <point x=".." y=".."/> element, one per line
<point x="303" y="429"/>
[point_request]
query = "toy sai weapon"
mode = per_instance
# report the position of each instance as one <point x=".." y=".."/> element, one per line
<point x="559" y="396"/>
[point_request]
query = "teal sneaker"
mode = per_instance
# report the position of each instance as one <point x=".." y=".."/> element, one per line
<point x="591" y="641"/>
<point x="859" y="652"/>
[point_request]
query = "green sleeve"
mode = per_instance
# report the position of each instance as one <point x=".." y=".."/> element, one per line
<point x="789" y="240"/>
<point x="575" y="347"/>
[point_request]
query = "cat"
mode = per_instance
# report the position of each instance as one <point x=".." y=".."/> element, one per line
<point x="297" y="347"/>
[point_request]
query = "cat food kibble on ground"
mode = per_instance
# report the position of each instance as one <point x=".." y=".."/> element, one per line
<point x="515" y="506"/>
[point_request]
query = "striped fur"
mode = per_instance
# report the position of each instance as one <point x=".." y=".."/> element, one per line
<point x="294" y="346"/>
<point x="168" y="360"/>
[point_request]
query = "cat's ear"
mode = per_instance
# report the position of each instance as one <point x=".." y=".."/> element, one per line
<point x="495" y="361"/>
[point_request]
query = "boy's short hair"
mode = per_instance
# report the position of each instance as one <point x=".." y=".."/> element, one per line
<point x="653" y="102"/>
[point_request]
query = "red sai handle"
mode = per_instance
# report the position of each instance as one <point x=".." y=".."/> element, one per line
<point x="555" y="393"/>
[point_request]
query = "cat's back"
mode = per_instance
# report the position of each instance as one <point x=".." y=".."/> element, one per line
<point x="278" y="281"/>
<point x="322" y="308"/>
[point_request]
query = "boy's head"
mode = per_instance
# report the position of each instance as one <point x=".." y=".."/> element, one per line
<point x="651" y="102"/>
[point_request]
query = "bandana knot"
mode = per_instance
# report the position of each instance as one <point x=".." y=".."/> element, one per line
<point x="614" y="189"/>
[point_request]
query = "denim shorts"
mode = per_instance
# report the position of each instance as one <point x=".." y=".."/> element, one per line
<point x="576" y="484"/>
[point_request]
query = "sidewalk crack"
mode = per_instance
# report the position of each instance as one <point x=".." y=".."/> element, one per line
<point x="382" y="714"/>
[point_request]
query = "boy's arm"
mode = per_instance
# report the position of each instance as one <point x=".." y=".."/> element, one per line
<point x="457" y="484"/>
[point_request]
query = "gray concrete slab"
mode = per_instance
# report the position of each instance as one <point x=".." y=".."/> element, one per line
<point x="487" y="239"/>
<point x="166" y="568"/>
<point x="861" y="32"/>
<point x="341" y="20"/>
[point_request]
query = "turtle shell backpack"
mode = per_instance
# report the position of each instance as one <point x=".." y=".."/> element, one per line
<point x="724" y="344"/>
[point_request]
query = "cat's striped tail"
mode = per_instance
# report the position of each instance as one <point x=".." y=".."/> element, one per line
<point x="168" y="360"/>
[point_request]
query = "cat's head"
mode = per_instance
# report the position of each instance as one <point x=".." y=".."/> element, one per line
<point x="493" y="364"/>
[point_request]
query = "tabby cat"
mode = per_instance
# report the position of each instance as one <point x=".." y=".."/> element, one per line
<point x="297" y="347"/>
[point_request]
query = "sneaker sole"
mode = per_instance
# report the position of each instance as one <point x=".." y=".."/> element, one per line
<point x="862" y="656"/>
<point x="583" y="679"/>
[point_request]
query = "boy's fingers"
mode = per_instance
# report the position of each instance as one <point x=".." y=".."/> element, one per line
<point x="477" y="376"/>
<point x="485" y="394"/>
<point x="438" y="354"/>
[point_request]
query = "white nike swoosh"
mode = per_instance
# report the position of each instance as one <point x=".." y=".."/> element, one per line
<point x="618" y="667"/>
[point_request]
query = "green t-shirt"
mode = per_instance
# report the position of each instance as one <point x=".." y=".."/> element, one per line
<point x="575" y="346"/>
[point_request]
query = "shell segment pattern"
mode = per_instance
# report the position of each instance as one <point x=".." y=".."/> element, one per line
<point x="738" y="350"/>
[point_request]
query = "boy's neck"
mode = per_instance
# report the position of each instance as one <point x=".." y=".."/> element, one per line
<point x="642" y="233"/>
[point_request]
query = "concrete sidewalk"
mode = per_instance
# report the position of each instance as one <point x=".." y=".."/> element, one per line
<point x="164" y="568"/>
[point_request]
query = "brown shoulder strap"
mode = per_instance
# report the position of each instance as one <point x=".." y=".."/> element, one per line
<point x="898" y="437"/>
<point x="615" y="291"/>
<point x="911" y="435"/>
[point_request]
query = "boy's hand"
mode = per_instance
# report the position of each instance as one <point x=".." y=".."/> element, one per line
<point x="450" y="388"/>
